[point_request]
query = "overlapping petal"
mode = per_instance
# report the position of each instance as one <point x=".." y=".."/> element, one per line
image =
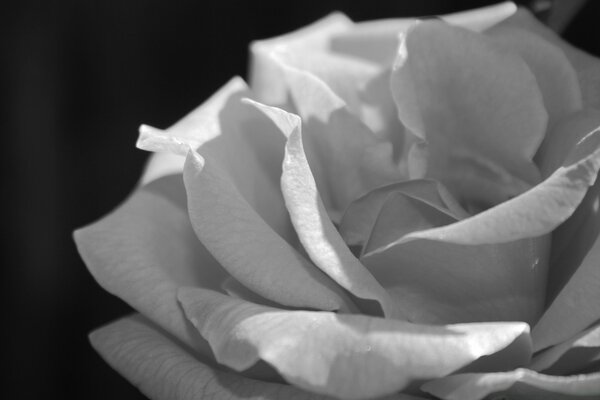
<point x="477" y="108"/>
<point x="144" y="250"/>
<point x="247" y="247"/>
<point x="520" y="384"/>
<point x="348" y="356"/>
<point x="163" y="369"/>
<point x="315" y="230"/>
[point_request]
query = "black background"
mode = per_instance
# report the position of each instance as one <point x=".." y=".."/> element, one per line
<point x="78" y="78"/>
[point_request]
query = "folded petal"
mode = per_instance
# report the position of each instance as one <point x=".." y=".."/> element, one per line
<point x="315" y="230"/>
<point x="439" y="282"/>
<point x="162" y="164"/>
<point x="518" y="384"/>
<point x="346" y="157"/>
<point x="478" y="109"/>
<point x="347" y="356"/>
<point x="378" y="41"/>
<point x="360" y="217"/>
<point x="145" y="249"/>
<point x="535" y="212"/>
<point x="162" y="369"/>
<point x="247" y="247"/>
<point x="571" y="356"/>
<point x="586" y="65"/>
<point x="240" y="140"/>
<point x="554" y="73"/>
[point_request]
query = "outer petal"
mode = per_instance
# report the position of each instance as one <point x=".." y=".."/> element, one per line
<point x="242" y="142"/>
<point x="378" y="41"/>
<point x="247" y="247"/>
<point x="317" y="233"/>
<point x="162" y="369"/>
<point x="535" y="212"/>
<point x="518" y="384"/>
<point x="146" y="249"/>
<point x="348" y="356"/>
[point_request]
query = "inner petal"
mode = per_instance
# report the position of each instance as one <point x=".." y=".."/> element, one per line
<point x="474" y="106"/>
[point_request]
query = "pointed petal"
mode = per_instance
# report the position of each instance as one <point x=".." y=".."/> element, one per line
<point x="244" y="144"/>
<point x="571" y="356"/>
<point x="378" y="41"/>
<point x="517" y="384"/>
<point x="162" y="369"/>
<point x="315" y="230"/>
<point x="247" y="247"/>
<point x="535" y="212"/>
<point x="145" y="249"/>
<point x="554" y="73"/>
<point x="348" y="356"/>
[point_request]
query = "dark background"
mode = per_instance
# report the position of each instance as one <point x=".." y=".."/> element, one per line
<point x="77" y="79"/>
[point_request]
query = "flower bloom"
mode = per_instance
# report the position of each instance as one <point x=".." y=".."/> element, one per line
<point x="399" y="207"/>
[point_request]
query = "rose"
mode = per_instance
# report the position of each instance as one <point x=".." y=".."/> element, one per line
<point x="502" y="124"/>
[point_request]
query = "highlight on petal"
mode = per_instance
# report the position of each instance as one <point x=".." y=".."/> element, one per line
<point x="346" y="157"/>
<point x="247" y="247"/>
<point x="348" y="356"/>
<point x="161" y="164"/>
<point x="265" y="76"/>
<point x="517" y="384"/>
<point x="479" y="110"/>
<point x="554" y="73"/>
<point x="315" y="230"/>
<point x="162" y="369"/>
<point x="535" y="212"/>
<point x="145" y="249"/>
<point x="378" y="41"/>
<point x="572" y="356"/>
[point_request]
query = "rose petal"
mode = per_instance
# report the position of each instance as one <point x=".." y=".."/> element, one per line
<point x="347" y="159"/>
<point x="247" y="247"/>
<point x="437" y="282"/>
<point x="359" y="218"/>
<point x="162" y="164"/>
<point x="554" y="73"/>
<point x="145" y="249"/>
<point x="377" y="41"/>
<point x="586" y="65"/>
<point x="315" y="230"/>
<point x="517" y="384"/>
<point x="570" y="356"/>
<point x="471" y="102"/>
<point x="241" y="141"/>
<point x="348" y="356"/>
<point x="533" y="213"/>
<point x="576" y="305"/>
<point x="162" y="369"/>
<point x="265" y="76"/>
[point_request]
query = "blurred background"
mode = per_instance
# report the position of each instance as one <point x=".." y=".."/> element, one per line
<point x="77" y="78"/>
